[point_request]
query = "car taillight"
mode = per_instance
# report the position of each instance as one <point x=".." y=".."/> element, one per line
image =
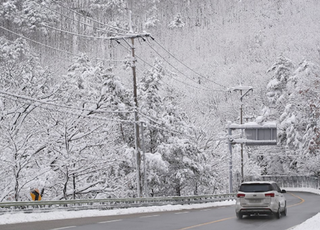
<point x="269" y="194"/>
<point x="240" y="195"/>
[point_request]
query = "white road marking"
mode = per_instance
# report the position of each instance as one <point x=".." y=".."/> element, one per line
<point x="205" y="210"/>
<point x="64" y="228"/>
<point x="148" y="216"/>
<point x="178" y="213"/>
<point x="109" y="221"/>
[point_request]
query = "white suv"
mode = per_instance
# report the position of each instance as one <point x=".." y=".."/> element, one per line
<point x="260" y="197"/>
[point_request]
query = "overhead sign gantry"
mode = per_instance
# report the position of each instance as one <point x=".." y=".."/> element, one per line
<point x="252" y="134"/>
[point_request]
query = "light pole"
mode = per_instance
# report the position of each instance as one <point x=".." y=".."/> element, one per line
<point x="242" y="89"/>
<point x="230" y="160"/>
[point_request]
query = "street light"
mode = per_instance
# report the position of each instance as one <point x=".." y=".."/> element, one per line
<point x="242" y="89"/>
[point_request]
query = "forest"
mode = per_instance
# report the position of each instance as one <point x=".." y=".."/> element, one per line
<point x="72" y="125"/>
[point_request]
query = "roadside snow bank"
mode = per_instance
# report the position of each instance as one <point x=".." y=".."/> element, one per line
<point x="310" y="224"/>
<point x="311" y="190"/>
<point x="314" y="222"/>
<point x="56" y="215"/>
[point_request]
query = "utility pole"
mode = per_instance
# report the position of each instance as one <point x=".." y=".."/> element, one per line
<point x="145" y="185"/>
<point x="133" y="36"/>
<point x="136" y="117"/>
<point x="247" y="89"/>
<point x="230" y="161"/>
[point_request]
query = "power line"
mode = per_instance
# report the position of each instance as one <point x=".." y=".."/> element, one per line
<point x="163" y="82"/>
<point x="115" y="38"/>
<point x="56" y="49"/>
<point x="147" y="63"/>
<point x="15" y="97"/>
<point x="89" y="116"/>
<point x="185" y="64"/>
<point x="204" y="88"/>
<point x="117" y="28"/>
<point x="170" y="63"/>
<point x="76" y="34"/>
<point x="39" y="43"/>
<point x="112" y="27"/>
<point x="176" y="79"/>
<point x="119" y="43"/>
<point x="75" y="20"/>
<point x="166" y="129"/>
<point x="94" y="37"/>
<point x="10" y="95"/>
<point x="58" y="105"/>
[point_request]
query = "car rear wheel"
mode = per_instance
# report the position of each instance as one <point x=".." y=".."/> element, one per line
<point x="278" y="213"/>
<point x="284" y="212"/>
<point x="239" y="215"/>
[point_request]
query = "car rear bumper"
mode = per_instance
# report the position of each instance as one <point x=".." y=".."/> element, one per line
<point x="272" y="207"/>
<point x="248" y="211"/>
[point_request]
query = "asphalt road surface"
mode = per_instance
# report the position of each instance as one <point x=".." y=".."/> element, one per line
<point x="301" y="206"/>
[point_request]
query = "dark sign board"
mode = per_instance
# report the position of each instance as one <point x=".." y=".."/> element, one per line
<point x="255" y="134"/>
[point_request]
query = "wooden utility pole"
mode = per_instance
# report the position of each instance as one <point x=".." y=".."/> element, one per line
<point x="135" y="96"/>
<point x="145" y="185"/>
<point x="133" y="36"/>
<point x="136" y="119"/>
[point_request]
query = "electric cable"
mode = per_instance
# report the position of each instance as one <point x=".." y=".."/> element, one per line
<point x="112" y="27"/>
<point x="75" y="20"/>
<point x="39" y="43"/>
<point x="185" y="64"/>
<point x="176" y="79"/>
<point x="59" y="105"/>
<point x="89" y="116"/>
<point x="150" y="46"/>
<point x="56" y="49"/>
<point x="76" y="34"/>
<point x="41" y="104"/>
<point x="163" y="82"/>
<point x="130" y="46"/>
<point x="173" y="65"/>
<point x="205" y="88"/>
<point x="110" y="38"/>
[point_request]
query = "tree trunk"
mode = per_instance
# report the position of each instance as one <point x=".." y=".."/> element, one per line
<point x="74" y="186"/>
<point x="65" y="186"/>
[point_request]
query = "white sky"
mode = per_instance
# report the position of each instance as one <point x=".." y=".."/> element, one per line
<point x="311" y="224"/>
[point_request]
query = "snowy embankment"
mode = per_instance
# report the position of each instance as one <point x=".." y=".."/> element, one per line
<point x="55" y="215"/>
<point x="311" y="224"/>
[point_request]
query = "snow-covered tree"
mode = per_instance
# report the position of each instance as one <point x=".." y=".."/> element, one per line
<point x="90" y="135"/>
<point x="23" y="140"/>
<point x="293" y="93"/>
<point x="29" y="15"/>
<point x="179" y="164"/>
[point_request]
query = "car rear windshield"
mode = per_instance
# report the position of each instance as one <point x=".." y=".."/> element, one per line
<point x="255" y="188"/>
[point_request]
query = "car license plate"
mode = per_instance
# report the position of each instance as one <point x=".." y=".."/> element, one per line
<point x="255" y="201"/>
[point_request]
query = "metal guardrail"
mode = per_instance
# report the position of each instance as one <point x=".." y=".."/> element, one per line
<point x="114" y="203"/>
<point x="105" y="204"/>
<point x="290" y="181"/>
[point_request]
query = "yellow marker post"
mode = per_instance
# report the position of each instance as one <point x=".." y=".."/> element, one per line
<point x="35" y="194"/>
